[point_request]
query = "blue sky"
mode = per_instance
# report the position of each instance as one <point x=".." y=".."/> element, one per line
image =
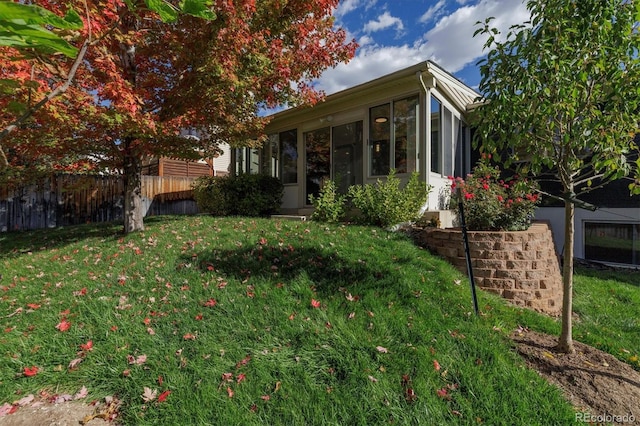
<point x="395" y="34"/>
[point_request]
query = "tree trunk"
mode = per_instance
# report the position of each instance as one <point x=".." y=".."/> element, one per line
<point x="133" y="214"/>
<point x="565" y="343"/>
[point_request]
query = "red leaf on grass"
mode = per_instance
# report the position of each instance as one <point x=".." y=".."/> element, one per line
<point x="87" y="346"/>
<point x="33" y="305"/>
<point x="211" y="303"/>
<point x="382" y="349"/>
<point x="436" y="365"/>
<point x="63" y="325"/>
<point x="240" y="377"/>
<point x="163" y="396"/>
<point x="230" y="392"/>
<point x="442" y="393"/>
<point x="315" y="303"/>
<point x="189" y="336"/>
<point x="30" y="371"/>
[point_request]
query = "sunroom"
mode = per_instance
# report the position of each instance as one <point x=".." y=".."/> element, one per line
<point x="413" y="120"/>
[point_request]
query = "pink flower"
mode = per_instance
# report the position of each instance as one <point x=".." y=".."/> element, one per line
<point x="468" y="195"/>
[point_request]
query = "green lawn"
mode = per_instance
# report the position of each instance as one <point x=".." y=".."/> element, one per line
<point x="254" y="321"/>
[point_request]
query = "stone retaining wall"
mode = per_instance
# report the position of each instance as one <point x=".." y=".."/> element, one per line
<point x="521" y="266"/>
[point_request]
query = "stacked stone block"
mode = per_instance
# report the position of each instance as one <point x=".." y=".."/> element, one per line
<point x="521" y="266"/>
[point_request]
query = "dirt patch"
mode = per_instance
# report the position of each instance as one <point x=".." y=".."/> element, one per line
<point x="602" y="388"/>
<point x="69" y="413"/>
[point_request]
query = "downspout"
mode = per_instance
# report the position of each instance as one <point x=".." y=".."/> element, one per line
<point x="427" y="146"/>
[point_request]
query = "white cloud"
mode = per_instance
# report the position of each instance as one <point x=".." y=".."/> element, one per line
<point x="383" y="22"/>
<point x="433" y="12"/>
<point x="346" y="6"/>
<point x="450" y="43"/>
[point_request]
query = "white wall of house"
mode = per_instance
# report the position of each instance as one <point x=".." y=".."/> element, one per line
<point x="222" y="163"/>
<point x="555" y="216"/>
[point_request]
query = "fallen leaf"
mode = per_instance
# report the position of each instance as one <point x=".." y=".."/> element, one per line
<point x="87" y="346"/>
<point x="352" y="315"/>
<point x="6" y="409"/>
<point x="315" y="303"/>
<point x="82" y="393"/>
<point x="149" y="394"/>
<point x="163" y="396"/>
<point x="240" y="377"/>
<point x="442" y="393"/>
<point x="33" y="305"/>
<point x="373" y="379"/>
<point x="211" y="303"/>
<point x="62" y="398"/>
<point x="265" y="397"/>
<point x="24" y="401"/>
<point x="436" y="365"/>
<point x="230" y="392"/>
<point x="74" y="363"/>
<point x="189" y="336"/>
<point x="350" y="298"/>
<point x="382" y="349"/>
<point x="30" y="371"/>
<point x="63" y="325"/>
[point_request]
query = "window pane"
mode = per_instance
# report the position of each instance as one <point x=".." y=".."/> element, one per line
<point x="405" y="119"/>
<point x="379" y="140"/>
<point x="611" y="242"/>
<point x="289" y="156"/>
<point x="318" y="154"/>
<point x="347" y="155"/>
<point x="436" y="135"/>
<point x="254" y="160"/>
<point x="269" y="156"/>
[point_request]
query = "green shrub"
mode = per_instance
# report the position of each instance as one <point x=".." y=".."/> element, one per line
<point x="254" y="195"/>
<point x="210" y="195"/>
<point x="243" y="195"/>
<point x="329" y="205"/>
<point x="386" y="203"/>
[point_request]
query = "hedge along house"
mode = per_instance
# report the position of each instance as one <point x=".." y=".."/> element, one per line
<point x="413" y="120"/>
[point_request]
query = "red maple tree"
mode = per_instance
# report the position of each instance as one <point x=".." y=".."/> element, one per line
<point x="141" y="80"/>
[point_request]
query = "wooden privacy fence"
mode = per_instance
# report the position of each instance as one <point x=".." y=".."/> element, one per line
<point x="73" y="199"/>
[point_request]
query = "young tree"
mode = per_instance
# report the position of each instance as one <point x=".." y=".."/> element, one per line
<point x="155" y="73"/>
<point x="562" y="95"/>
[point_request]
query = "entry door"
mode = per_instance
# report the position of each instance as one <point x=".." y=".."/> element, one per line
<point x="347" y="155"/>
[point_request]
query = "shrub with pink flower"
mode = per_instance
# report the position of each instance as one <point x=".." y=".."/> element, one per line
<point x="493" y="203"/>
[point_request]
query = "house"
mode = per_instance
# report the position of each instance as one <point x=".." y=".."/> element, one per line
<point x="607" y="225"/>
<point x="413" y="120"/>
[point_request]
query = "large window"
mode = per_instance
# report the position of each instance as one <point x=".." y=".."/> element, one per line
<point x="612" y="242"/>
<point x="436" y="135"/>
<point x="289" y="156"/>
<point x="318" y="156"/>
<point x="405" y="125"/>
<point x="380" y="140"/>
<point x="397" y="122"/>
